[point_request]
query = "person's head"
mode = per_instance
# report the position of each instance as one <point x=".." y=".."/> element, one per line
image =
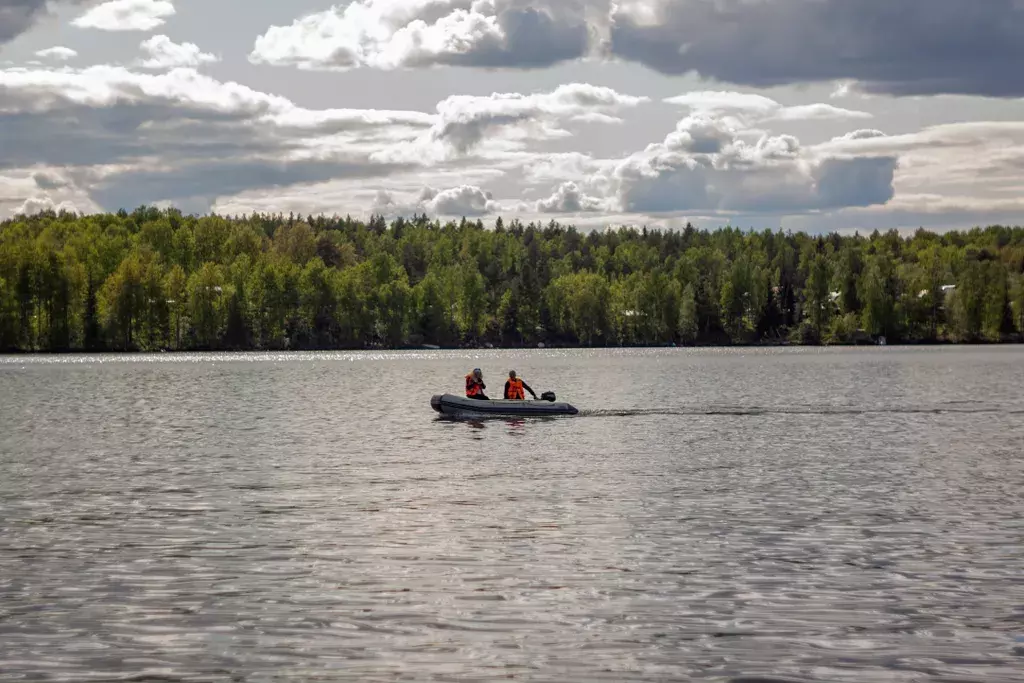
<point x="478" y="373"/>
<point x="511" y="374"/>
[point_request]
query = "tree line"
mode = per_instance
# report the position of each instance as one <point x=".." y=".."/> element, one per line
<point x="156" y="279"/>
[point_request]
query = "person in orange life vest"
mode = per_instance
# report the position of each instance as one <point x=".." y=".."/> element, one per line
<point x="475" y="385"/>
<point x="514" y="388"/>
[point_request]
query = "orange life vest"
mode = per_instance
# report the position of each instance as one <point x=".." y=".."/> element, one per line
<point x="472" y="386"/>
<point x="515" y="390"/>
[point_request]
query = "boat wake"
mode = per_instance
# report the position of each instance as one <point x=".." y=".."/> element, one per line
<point x="743" y="411"/>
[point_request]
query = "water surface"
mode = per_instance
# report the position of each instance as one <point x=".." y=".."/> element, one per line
<point x="793" y="514"/>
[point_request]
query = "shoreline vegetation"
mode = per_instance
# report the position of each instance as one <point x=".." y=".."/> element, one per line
<point x="158" y="280"/>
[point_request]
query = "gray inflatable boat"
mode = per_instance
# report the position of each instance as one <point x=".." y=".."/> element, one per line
<point x="450" y="404"/>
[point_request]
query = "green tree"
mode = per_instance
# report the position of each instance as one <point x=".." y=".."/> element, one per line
<point x="688" y="318"/>
<point x="176" y="297"/>
<point x="123" y="301"/>
<point x="208" y="304"/>
<point x="817" y="297"/>
<point x="155" y="278"/>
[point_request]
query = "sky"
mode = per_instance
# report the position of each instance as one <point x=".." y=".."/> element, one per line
<point x="816" y="115"/>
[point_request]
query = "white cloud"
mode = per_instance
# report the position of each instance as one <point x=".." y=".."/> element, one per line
<point x="186" y="89"/>
<point x="34" y="205"/>
<point x="360" y="196"/>
<point x="113" y="136"/>
<point x="963" y="48"/>
<point x="16" y="188"/>
<point x="29" y="192"/>
<point x="389" y="34"/>
<point x="544" y="169"/>
<point x="843" y="89"/>
<point x="185" y="137"/>
<point x="126" y="15"/>
<point x="753" y="107"/>
<point x="164" y="53"/>
<point x="710" y="165"/>
<point x="49" y="179"/>
<point x="981" y="161"/>
<point x="463" y="200"/>
<point x="465" y="120"/>
<point x="500" y="126"/>
<point x="569" y="198"/>
<point x="105" y="86"/>
<point x="973" y="134"/>
<point x="59" y="52"/>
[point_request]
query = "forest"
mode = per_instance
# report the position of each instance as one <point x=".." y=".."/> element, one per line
<point x="155" y="279"/>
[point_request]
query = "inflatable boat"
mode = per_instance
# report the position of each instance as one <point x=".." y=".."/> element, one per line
<point x="450" y="404"/>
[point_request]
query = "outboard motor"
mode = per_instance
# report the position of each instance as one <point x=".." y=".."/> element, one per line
<point x="548" y="396"/>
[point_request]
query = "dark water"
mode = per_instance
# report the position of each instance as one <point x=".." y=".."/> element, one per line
<point x="795" y="515"/>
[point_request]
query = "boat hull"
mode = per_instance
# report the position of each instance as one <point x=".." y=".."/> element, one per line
<point x="450" y="404"/>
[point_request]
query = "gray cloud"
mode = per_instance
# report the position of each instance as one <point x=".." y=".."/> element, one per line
<point x="899" y="47"/>
<point x="18" y="16"/>
<point x="79" y="135"/>
<point x="903" y="47"/>
<point x="49" y="180"/>
<point x="200" y="184"/>
<point x="531" y="38"/>
<point x="126" y="138"/>
<point x="842" y="183"/>
<point x="710" y="164"/>
<point x="520" y="34"/>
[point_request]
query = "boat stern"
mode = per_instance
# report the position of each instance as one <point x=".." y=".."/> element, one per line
<point x="435" y="402"/>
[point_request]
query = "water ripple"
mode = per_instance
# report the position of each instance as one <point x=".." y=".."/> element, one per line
<point x="775" y="517"/>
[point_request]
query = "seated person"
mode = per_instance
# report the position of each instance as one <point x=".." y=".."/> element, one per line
<point x="514" y="388"/>
<point x="475" y="385"/>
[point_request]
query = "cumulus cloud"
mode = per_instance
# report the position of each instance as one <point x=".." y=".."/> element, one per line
<point x="17" y="16"/>
<point x="985" y="156"/>
<point x="200" y="184"/>
<point x="972" y="134"/>
<point x="464" y="120"/>
<point x="184" y="135"/>
<point x="49" y="179"/>
<point x="569" y="198"/>
<point x="710" y="164"/>
<point x="390" y="34"/>
<point x="910" y="47"/>
<point x="463" y="200"/>
<point x="713" y="169"/>
<point x="545" y="169"/>
<point x="59" y="53"/>
<point x="119" y="101"/>
<point x="126" y="15"/>
<point x="164" y="53"/>
<point x="34" y="205"/>
<point x="27" y="192"/>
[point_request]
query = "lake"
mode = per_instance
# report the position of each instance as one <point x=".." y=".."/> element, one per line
<point x="720" y="514"/>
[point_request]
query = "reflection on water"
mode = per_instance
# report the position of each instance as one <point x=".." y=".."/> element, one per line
<point x="789" y="515"/>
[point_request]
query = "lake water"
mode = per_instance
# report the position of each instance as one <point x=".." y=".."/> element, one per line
<point x="735" y="515"/>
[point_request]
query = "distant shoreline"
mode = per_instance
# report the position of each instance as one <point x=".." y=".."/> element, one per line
<point x="158" y="280"/>
<point x="547" y="347"/>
